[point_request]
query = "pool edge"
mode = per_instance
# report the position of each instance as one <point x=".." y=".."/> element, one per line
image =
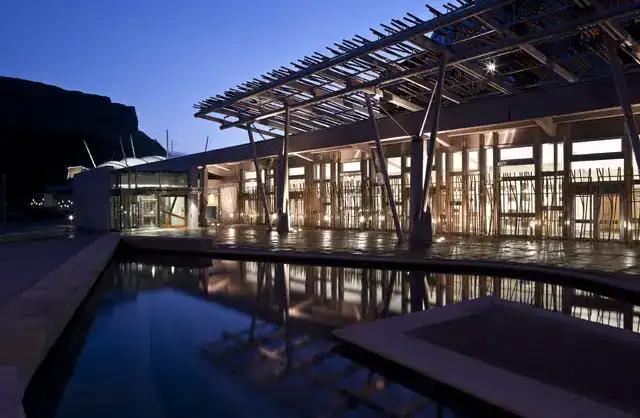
<point x="33" y="321"/>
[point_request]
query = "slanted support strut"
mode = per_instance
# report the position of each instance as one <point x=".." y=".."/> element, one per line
<point x="621" y="88"/>
<point x="382" y="166"/>
<point x="261" y="191"/>
<point x="422" y="228"/>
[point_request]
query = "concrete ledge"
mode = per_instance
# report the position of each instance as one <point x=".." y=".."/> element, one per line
<point x="392" y="339"/>
<point x="31" y="323"/>
<point x="623" y="287"/>
<point x="33" y="235"/>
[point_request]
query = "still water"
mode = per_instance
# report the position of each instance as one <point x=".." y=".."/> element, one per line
<point x="192" y="337"/>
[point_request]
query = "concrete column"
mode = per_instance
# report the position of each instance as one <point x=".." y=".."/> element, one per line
<point x="192" y="199"/>
<point x="497" y="203"/>
<point x="363" y="193"/>
<point x="283" y="179"/>
<point x="418" y="161"/>
<point x="439" y="183"/>
<point x="482" y="165"/>
<point x="466" y="218"/>
<point x="204" y="187"/>
<point x="405" y="213"/>
<point x="627" y="192"/>
<point x="448" y="164"/>
<point x="335" y="197"/>
<point x="567" y="196"/>
<point x="538" y="193"/>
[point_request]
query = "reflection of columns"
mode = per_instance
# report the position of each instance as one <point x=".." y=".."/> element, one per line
<point x="282" y="188"/>
<point x="382" y="166"/>
<point x="567" y="299"/>
<point x="364" y="292"/>
<point x="440" y="286"/>
<point x="538" y="296"/>
<point x="418" y="292"/>
<point x="281" y="286"/>
<point x="627" y="320"/>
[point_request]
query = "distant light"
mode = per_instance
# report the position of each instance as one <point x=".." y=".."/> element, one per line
<point x="173" y="269"/>
<point x="491" y="67"/>
<point x="153" y="271"/>
<point x="361" y="219"/>
<point x="326" y="218"/>
<point x="439" y="239"/>
<point x="71" y="217"/>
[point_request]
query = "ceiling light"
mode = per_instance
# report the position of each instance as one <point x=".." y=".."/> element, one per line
<point x="491" y="67"/>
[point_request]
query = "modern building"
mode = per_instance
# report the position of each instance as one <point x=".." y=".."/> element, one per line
<point x="518" y="116"/>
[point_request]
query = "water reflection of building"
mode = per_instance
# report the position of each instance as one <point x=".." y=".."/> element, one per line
<point x="338" y="295"/>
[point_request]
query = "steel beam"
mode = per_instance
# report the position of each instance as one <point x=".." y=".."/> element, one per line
<point x="504" y="46"/>
<point x="492" y="23"/>
<point x="424" y="27"/>
<point x="615" y="30"/>
<point x="548" y="125"/>
<point x="382" y="164"/>
<point x="625" y="103"/>
<point x="468" y="67"/>
<point x="256" y="163"/>
<point x="435" y="122"/>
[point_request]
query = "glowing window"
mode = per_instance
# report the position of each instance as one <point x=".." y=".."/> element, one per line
<point x="296" y="171"/>
<point x="597" y="147"/>
<point x="516" y="153"/>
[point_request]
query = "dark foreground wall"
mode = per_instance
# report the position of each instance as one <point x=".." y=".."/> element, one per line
<point x="42" y="129"/>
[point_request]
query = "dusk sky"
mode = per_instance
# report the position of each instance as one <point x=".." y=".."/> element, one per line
<point x="164" y="56"/>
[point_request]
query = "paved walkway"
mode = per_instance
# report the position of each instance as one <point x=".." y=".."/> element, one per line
<point x="22" y="264"/>
<point x="604" y="257"/>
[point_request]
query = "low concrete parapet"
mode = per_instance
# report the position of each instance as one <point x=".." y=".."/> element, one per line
<point x="31" y="323"/>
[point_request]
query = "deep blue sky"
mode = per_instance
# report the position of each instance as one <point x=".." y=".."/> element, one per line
<point x="163" y="56"/>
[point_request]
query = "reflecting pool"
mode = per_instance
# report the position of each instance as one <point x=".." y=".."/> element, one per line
<point x="193" y="337"/>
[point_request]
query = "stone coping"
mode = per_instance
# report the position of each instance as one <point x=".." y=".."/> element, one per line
<point x="391" y="339"/>
<point x="31" y="323"/>
<point x="33" y="235"/>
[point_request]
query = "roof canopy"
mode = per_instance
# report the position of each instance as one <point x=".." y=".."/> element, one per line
<point x="494" y="47"/>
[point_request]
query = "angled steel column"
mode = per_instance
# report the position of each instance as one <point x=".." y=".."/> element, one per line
<point x="418" y="161"/>
<point x="382" y="163"/>
<point x="283" y="178"/>
<point x="621" y="87"/>
<point x="256" y="163"/>
<point x="435" y="121"/>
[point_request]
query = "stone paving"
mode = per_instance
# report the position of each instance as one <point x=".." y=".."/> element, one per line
<point x="615" y="258"/>
<point x="33" y="320"/>
<point x="23" y="264"/>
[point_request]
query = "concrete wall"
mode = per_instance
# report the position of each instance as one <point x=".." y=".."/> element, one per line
<point x="91" y="199"/>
